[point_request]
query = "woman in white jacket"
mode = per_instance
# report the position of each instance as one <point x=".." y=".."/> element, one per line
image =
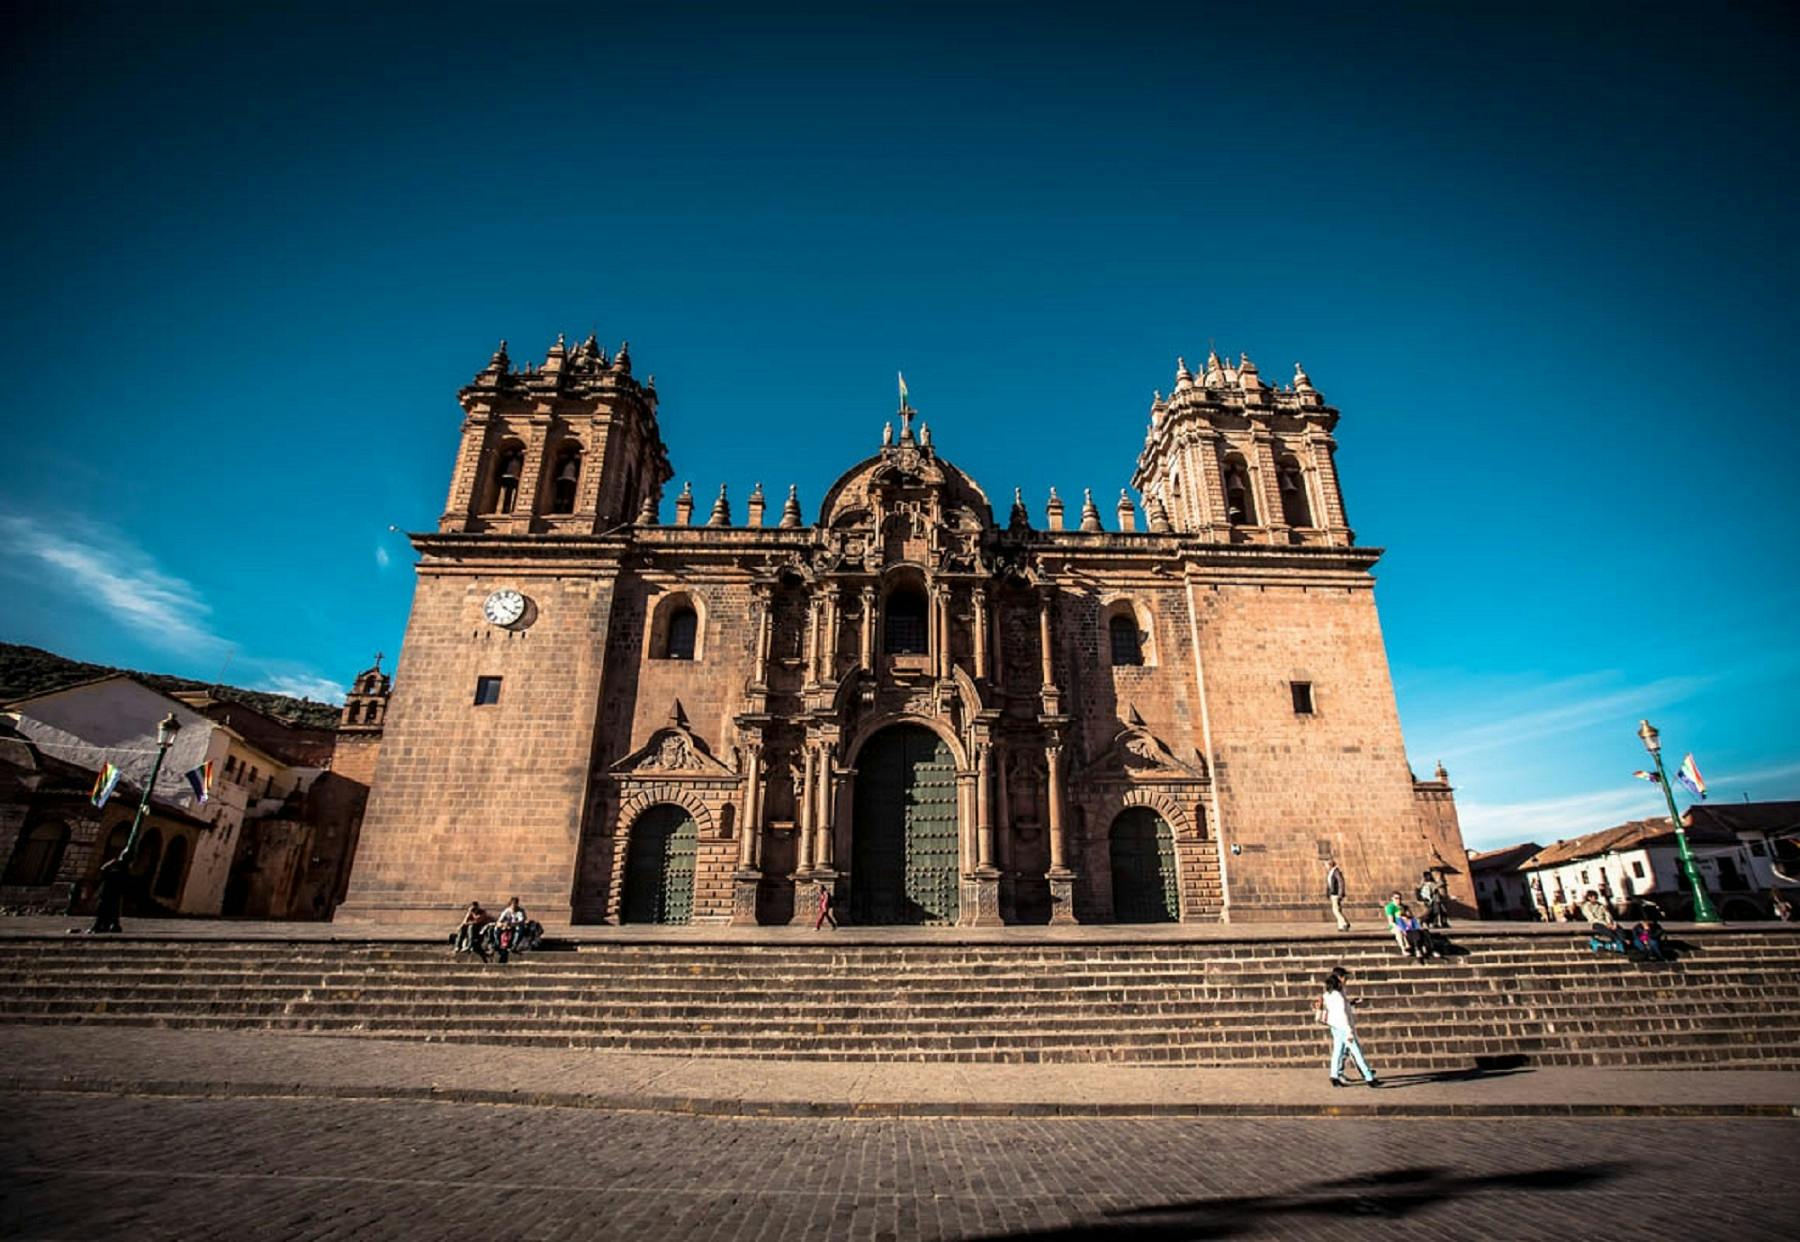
<point x="1336" y="1011"/>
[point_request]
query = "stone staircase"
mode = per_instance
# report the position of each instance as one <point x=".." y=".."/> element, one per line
<point x="1733" y="1000"/>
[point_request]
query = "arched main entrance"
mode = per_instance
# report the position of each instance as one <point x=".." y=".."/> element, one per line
<point x="659" y="867"/>
<point x="903" y="858"/>
<point x="1143" y="868"/>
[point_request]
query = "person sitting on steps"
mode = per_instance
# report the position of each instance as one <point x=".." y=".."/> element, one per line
<point x="1607" y="937"/>
<point x="514" y="932"/>
<point x="1390" y="912"/>
<point x="471" y="936"/>
<point x="1418" y="940"/>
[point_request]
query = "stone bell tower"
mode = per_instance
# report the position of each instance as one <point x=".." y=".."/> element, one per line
<point x="1233" y="460"/>
<point x="569" y="446"/>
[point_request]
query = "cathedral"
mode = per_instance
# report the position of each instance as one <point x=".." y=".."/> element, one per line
<point x="1175" y="710"/>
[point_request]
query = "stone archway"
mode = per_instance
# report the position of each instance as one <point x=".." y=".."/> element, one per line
<point x="1146" y="881"/>
<point x="659" y="867"/>
<point x="905" y="865"/>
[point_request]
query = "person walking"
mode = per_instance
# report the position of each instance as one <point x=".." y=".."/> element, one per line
<point x="1334" y="892"/>
<point x="1336" y="1011"/>
<point x="825" y="911"/>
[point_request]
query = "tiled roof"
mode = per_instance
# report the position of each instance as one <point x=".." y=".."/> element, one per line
<point x="1638" y="832"/>
<point x="1503" y="859"/>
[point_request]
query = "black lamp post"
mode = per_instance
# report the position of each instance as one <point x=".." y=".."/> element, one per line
<point x="166" y="729"/>
<point x="1703" y="906"/>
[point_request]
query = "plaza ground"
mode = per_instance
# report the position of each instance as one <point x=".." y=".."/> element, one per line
<point x="154" y="1168"/>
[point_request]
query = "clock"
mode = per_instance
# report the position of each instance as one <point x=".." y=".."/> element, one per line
<point x="504" y="607"/>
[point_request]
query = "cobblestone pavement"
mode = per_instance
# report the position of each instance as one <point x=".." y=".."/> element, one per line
<point x="96" y="1166"/>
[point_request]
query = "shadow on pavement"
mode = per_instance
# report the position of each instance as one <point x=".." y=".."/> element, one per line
<point x="1390" y="1195"/>
<point x="1484" y="1067"/>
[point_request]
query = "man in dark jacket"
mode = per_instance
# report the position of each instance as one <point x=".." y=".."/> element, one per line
<point x="1334" y="892"/>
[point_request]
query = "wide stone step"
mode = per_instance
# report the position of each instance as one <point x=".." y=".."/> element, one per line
<point x="935" y="1006"/>
<point x="1689" y="1049"/>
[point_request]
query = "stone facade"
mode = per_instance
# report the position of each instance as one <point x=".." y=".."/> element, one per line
<point x="935" y="713"/>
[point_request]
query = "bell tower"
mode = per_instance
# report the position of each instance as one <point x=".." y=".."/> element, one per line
<point x="566" y="446"/>
<point x="1231" y="459"/>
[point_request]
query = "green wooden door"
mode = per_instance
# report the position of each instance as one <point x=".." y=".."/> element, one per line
<point x="904" y="864"/>
<point x="1143" y="868"/>
<point x="659" y="867"/>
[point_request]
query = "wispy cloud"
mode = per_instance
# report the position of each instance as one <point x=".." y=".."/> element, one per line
<point x="111" y="574"/>
<point x="1559" y="707"/>
<point x="1486" y="825"/>
<point x="302" y="686"/>
<point x="382" y="559"/>
<point x="116" y="577"/>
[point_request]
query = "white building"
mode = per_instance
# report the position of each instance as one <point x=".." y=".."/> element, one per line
<point x="114" y="720"/>
<point x="1642" y="859"/>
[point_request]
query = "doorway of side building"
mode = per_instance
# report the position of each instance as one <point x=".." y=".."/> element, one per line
<point x="659" y="867"/>
<point x="904" y="866"/>
<point x="1144" y="877"/>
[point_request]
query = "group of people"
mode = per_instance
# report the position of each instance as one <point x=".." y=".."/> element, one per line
<point x="1643" y="939"/>
<point x="1417" y="934"/>
<point x="490" y="935"/>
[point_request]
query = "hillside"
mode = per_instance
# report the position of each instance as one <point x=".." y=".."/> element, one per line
<point x="31" y="670"/>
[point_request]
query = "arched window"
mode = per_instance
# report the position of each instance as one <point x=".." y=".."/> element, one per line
<point x="1294" y="509"/>
<point x="174" y="865"/>
<point x="677" y="628"/>
<point x="903" y="627"/>
<point x="149" y="851"/>
<point x="506" y="477"/>
<point x="1240" y="508"/>
<point x="115" y="840"/>
<point x="565" y="478"/>
<point x="38" y="854"/>
<point x="684" y="624"/>
<point x="1127" y="642"/>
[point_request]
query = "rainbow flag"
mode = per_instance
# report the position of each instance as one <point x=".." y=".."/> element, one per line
<point x="1689" y="775"/>
<point x="200" y="781"/>
<point x="1652" y="777"/>
<point x="104" y="784"/>
<point x="902" y="379"/>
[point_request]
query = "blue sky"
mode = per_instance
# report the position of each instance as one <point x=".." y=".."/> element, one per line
<point x="1544" y="262"/>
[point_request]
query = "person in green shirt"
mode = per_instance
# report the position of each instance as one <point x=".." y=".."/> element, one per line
<point x="1391" y="911"/>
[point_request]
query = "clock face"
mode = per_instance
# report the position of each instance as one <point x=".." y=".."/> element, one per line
<point x="504" y="607"/>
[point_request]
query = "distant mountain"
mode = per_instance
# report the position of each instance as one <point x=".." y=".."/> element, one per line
<point x="31" y="670"/>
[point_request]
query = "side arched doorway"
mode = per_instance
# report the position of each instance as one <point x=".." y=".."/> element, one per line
<point x="659" y="867"/>
<point x="903" y="853"/>
<point x="1144" y="876"/>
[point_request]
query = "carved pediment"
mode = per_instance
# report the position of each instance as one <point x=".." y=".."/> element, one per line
<point x="1135" y="753"/>
<point x="674" y="748"/>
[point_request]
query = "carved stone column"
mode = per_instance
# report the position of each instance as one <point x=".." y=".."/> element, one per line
<point x="806" y="896"/>
<point x="868" y="628"/>
<point x="808" y="802"/>
<point x="814" y="623"/>
<point x="747" y="881"/>
<point x="828" y="648"/>
<point x="1062" y="880"/>
<point x="978" y="611"/>
<point x="765" y="620"/>
<point x="1003" y="839"/>
<point x="981" y="888"/>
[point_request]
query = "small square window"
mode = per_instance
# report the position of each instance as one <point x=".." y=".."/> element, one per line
<point x="487" y="691"/>
<point x="1637" y="868"/>
<point x="1303" y="700"/>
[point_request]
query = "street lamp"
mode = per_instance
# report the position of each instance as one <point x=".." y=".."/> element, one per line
<point x="1703" y="906"/>
<point x="166" y="729"/>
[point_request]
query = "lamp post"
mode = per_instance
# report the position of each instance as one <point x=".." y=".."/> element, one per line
<point x="166" y="729"/>
<point x="1703" y="906"/>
